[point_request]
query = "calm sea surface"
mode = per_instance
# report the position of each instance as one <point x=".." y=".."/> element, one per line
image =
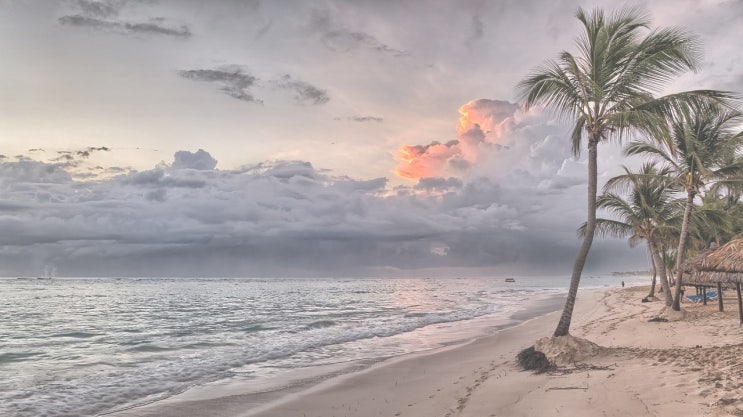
<point x="77" y="347"/>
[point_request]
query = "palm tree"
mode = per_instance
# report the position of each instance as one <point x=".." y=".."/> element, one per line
<point x="724" y="198"/>
<point x="700" y="142"/>
<point x="645" y="214"/>
<point x="607" y="90"/>
<point x="714" y="221"/>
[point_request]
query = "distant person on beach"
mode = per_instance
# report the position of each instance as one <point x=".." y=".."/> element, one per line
<point x="622" y="284"/>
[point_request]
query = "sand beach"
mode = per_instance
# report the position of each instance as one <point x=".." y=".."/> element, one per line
<point x="683" y="368"/>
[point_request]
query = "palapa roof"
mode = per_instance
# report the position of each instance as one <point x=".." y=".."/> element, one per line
<point x="724" y="264"/>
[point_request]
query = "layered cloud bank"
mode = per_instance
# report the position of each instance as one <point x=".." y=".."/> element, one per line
<point x="502" y="197"/>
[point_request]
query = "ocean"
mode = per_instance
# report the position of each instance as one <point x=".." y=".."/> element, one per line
<point x="94" y="346"/>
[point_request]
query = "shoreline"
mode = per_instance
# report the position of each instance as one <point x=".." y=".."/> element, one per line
<point x="688" y="367"/>
<point x="244" y="398"/>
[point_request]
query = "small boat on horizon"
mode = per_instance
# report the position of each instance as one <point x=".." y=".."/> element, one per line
<point x="510" y="279"/>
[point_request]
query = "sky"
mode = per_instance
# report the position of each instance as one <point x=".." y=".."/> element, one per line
<point x="303" y="138"/>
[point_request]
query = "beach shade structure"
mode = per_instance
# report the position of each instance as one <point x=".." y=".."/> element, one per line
<point x="691" y="275"/>
<point x="718" y="267"/>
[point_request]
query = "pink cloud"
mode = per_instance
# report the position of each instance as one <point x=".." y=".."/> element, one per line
<point x="483" y="125"/>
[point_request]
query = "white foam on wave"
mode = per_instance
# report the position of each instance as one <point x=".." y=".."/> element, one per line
<point x="176" y="359"/>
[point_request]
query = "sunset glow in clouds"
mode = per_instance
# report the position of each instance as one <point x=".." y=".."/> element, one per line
<point x="484" y="126"/>
<point x="334" y="123"/>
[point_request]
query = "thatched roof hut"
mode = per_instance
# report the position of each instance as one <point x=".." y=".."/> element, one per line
<point x="723" y="265"/>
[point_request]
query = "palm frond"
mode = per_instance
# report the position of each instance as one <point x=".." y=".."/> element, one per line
<point x="608" y="227"/>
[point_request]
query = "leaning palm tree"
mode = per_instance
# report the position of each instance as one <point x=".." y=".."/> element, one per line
<point x="607" y="90"/>
<point x="701" y="139"/>
<point x="647" y="211"/>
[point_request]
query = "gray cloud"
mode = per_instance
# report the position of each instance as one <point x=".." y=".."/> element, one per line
<point x="237" y="83"/>
<point x="159" y="178"/>
<point x="233" y="81"/>
<point x="147" y="28"/>
<point x="339" y="39"/>
<point x="98" y="8"/>
<point x="363" y="119"/>
<point x="438" y="184"/>
<point x="478" y="29"/>
<point x="85" y="153"/>
<point x="68" y="158"/>
<point x="199" y="160"/>
<point x="106" y="15"/>
<point x="156" y="29"/>
<point x="274" y="218"/>
<point x="304" y="93"/>
<point x="157" y="195"/>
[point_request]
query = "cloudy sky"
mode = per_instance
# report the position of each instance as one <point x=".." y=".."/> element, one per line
<point x="270" y="138"/>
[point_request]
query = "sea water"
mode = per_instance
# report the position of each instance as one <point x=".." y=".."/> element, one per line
<point x="76" y="347"/>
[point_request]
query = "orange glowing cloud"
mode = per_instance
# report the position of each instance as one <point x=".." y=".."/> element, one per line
<point x="489" y="115"/>
<point x="482" y="125"/>
<point x="423" y="161"/>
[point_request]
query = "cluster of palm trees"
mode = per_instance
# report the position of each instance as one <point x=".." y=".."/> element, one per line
<point x="700" y="158"/>
<point x="609" y="91"/>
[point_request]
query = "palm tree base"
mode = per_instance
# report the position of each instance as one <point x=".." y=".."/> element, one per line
<point x="567" y="350"/>
<point x="670" y="314"/>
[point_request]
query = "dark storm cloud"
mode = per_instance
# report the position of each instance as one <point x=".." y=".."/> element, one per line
<point x="233" y="81"/>
<point x="304" y="93"/>
<point x="340" y="39"/>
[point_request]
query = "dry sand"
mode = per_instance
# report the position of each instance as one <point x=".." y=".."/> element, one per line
<point x="692" y="367"/>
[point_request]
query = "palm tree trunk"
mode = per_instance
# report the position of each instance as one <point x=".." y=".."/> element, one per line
<point x="681" y="249"/>
<point x="661" y="272"/>
<point x="563" y="327"/>
<point x="655" y="269"/>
